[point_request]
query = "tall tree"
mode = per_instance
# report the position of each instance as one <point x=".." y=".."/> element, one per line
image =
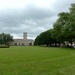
<point x="5" y="38"/>
<point x="59" y="25"/>
<point x="63" y="29"/>
<point x="69" y="28"/>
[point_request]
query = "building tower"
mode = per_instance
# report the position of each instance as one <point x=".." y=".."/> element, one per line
<point x="25" y="36"/>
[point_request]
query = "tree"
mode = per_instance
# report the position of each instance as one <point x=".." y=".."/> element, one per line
<point x="63" y="29"/>
<point x="69" y="28"/>
<point x="5" y="38"/>
<point x="44" y="39"/>
<point x="58" y="27"/>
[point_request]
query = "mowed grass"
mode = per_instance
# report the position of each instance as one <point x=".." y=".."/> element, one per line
<point x="32" y="60"/>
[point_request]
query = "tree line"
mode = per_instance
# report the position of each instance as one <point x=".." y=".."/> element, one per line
<point x="63" y="31"/>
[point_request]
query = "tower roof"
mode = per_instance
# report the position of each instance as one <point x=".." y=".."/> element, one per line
<point x="25" y="33"/>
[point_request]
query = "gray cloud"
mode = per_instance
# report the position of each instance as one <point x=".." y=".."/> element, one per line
<point x="31" y="19"/>
<point x="60" y="6"/>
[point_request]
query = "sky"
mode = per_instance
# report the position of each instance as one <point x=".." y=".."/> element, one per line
<point x="31" y="16"/>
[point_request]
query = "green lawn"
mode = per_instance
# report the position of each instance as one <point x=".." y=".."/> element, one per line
<point x="28" y="60"/>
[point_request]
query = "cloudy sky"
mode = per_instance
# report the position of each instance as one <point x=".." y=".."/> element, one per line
<point x="31" y="16"/>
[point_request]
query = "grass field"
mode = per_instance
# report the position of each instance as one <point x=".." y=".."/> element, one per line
<point x="23" y="60"/>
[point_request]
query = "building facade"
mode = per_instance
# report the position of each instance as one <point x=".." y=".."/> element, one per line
<point x="22" y="42"/>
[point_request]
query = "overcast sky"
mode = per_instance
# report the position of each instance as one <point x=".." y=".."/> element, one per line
<point x="31" y="16"/>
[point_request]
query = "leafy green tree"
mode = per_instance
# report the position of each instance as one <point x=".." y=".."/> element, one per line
<point x="69" y="28"/>
<point x="44" y="39"/>
<point x="63" y="30"/>
<point x="5" y="38"/>
<point x="59" y="25"/>
<point x="64" y="27"/>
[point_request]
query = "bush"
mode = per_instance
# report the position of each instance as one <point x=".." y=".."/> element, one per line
<point x="4" y="46"/>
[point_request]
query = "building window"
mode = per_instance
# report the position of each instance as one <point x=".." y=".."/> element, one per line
<point x="30" y="44"/>
<point x="19" y="44"/>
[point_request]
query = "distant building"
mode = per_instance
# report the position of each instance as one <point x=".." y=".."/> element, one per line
<point x="22" y="42"/>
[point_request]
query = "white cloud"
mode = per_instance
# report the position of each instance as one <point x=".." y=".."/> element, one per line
<point x="23" y="3"/>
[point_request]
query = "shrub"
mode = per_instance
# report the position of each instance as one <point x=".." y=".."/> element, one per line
<point x="4" y="46"/>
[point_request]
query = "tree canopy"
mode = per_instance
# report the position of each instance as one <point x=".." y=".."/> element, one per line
<point x="5" y="38"/>
<point x="63" y="30"/>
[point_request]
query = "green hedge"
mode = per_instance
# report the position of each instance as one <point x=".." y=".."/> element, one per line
<point x="4" y="46"/>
